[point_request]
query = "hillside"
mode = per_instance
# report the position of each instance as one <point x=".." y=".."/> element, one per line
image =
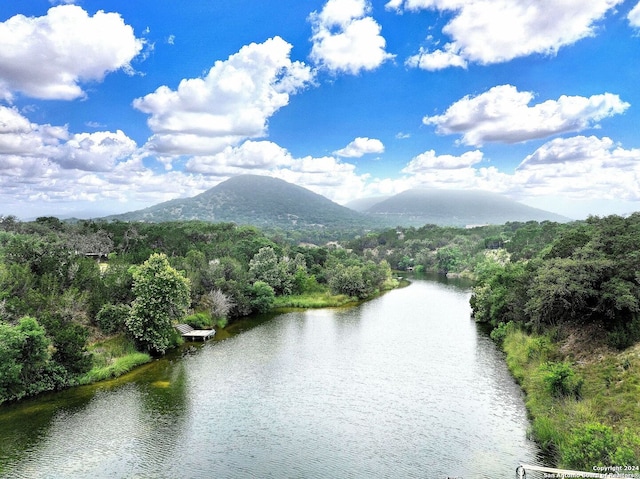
<point x="454" y="208"/>
<point x="258" y="200"/>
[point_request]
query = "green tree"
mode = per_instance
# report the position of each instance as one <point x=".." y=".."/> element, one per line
<point x="262" y="297"/>
<point x="162" y="294"/>
<point x="23" y="359"/>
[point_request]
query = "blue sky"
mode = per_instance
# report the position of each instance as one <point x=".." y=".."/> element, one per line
<point x="107" y="107"/>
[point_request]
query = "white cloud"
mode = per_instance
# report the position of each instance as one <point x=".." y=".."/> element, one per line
<point x="582" y="167"/>
<point x="77" y="48"/>
<point x="230" y="104"/>
<point x="51" y="171"/>
<point x="345" y="39"/>
<point x="429" y="161"/>
<point x="54" y="145"/>
<point x="634" y="16"/>
<point x="495" y="31"/>
<point x="502" y="114"/>
<point x="360" y="147"/>
<point x="97" y="151"/>
<point x="437" y="60"/>
<point x="252" y="156"/>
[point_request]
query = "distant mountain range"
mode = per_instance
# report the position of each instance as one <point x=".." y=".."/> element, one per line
<point x="417" y="207"/>
<point x="270" y="202"/>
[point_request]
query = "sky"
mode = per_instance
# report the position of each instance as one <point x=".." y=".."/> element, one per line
<point x="112" y="106"/>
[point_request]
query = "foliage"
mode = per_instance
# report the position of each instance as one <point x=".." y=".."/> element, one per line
<point x="25" y="364"/>
<point x="69" y="340"/>
<point x="199" y="320"/>
<point x="262" y="297"/>
<point x="586" y="274"/>
<point x="112" y="318"/>
<point x="319" y="299"/>
<point x="161" y="295"/>
<point x="596" y="444"/>
<point x="561" y="380"/>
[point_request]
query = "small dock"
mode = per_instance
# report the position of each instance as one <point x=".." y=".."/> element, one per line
<point x="188" y="332"/>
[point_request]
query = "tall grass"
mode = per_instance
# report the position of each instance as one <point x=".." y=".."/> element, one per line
<point x="312" y="300"/>
<point x="113" y="357"/>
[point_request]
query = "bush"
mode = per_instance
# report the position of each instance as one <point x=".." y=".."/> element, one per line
<point x="561" y="381"/>
<point x="262" y="297"/>
<point x="500" y="332"/>
<point x="111" y="318"/>
<point x="199" y="321"/>
<point x="626" y="334"/>
<point x="595" y="444"/>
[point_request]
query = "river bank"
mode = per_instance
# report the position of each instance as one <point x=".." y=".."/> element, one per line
<point x="581" y="395"/>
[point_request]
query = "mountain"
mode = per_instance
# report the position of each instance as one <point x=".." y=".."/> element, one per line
<point x="455" y="208"/>
<point x="258" y="200"/>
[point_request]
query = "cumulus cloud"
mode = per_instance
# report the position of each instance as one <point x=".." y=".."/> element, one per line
<point x="360" y="147"/>
<point x="495" y="31"/>
<point x="47" y="164"/>
<point x="578" y="168"/>
<point x="429" y="161"/>
<point x="230" y="104"/>
<point x="97" y="151"/>
<point x="582" y="167"/>
<point x="502" y="114"/>
<point x="346" y="39"/>
<point x="252" y="156"/>
<point x="47" y="144"/>
<point x="634" y="16"/>
<point x="430" y="170"/>
<point x="77" y="48"/>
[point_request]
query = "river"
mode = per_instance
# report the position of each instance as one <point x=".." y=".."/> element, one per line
<point x="403" y="386"/>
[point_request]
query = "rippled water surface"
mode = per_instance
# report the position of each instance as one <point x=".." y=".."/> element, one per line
<point x="402" y="386"/>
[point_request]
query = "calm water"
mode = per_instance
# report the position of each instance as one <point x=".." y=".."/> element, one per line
<point x="402" y="386"/>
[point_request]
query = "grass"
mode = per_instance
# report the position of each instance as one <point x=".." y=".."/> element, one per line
<point x="113" y="357"/>
<point x="318" y="299"/>
<point x="601" y="427"/>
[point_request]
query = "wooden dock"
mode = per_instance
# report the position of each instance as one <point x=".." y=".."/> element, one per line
<point x="188" y="332"/>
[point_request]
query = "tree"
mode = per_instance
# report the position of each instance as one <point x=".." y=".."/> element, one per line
<point x="219" y="305"/>
<point x="264" y="267"/>
<point x="23" y="359"/>
<point x="262" y="297"/>
<point x="162" y="294"/>
<point x="348" y="280"/>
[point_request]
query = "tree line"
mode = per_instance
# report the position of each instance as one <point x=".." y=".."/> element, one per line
<point x="581" y="274"/>
<point x="65" y="285"/>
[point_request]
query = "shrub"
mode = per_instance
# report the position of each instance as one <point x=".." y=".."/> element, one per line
<point x="625" y="334"/>
<point x="561" y="380"/>
<point x="596" y="444"/>
<point x="199" y="321"/>
<point x="111" y="318"/>
<point x="262" y="297"/>
<point x="500" y="332"/>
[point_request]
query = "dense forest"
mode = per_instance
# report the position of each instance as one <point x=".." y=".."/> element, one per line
<point x="85" y="301"/>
